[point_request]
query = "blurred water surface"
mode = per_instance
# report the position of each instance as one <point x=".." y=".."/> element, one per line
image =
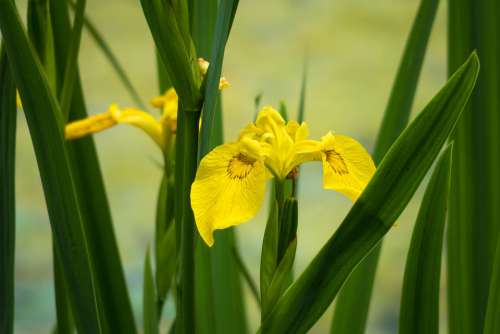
<point x="353" y="48"/>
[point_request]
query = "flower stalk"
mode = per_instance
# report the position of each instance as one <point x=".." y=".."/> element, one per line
<point x="186" y="164"/>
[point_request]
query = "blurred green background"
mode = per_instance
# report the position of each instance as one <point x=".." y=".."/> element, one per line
<point x="353" y="49"/>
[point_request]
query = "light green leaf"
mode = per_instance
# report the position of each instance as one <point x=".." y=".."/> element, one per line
<point x="149" y="309"/>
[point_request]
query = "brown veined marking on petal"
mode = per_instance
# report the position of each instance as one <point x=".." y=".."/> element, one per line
<point x="336" y="161"/>
<point x="240" y="166"/>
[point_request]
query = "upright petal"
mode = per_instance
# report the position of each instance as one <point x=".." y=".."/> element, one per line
<point x="347" y="166"/>
<point x="228" y="190"/>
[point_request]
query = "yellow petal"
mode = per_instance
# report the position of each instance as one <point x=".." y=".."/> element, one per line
<point x="203" y="64"/>
<point x="347" y="166"/>
<point x="139" y="119"/>
<point x="228" y="190"/>
<point x="268" y="118"/>
<point x="223" y="83"/>
<point x="91" y="124"/>
<point x="168" y="102"/>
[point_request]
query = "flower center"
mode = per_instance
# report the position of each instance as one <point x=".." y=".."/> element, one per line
<point x="336" y="162"/>
<point x="240" y="166"/>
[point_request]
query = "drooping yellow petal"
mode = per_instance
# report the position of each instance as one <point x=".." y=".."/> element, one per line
<point x="347" y="166"/>
<point x="139" y="119"/>
<point x="91" y="124"/>
<point x="228" y="190"/>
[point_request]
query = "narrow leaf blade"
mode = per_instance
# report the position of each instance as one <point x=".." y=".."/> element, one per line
<point x="44" y="121"/>
<point x="8" y="117"/>
<point x="149" y="310"/>
<point x="351" y="310"/>
<point x="420" y="294"/>
<point x="375" y="211"/>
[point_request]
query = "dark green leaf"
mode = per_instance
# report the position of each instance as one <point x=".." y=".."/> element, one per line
<point x="71" y="69"/>
<point x="219" y="297"/>
<point x="45" y="125"/>
<point x="178" y="57"/>
<point x="63" y="307"/>
<point x="420" y="297"/>
<point x="351" y="310"/>
<point x="163" y="80"/>
<point x="165" y="263"/>
<point x="111" y="287"/>
<point x="40" y="33"/>
<point x="8" y="117"/>
<point x="225" y="16"/>
<point x="373" y="214"/>
<point x="149" y="309"/>
<point x="288" y="226"/>
<point x="269" y="254"/>
<point x="492" y="320"/>
<point x="280" y="280"/>
<point x="185" y="171"/>
<point x="474" y="215"/>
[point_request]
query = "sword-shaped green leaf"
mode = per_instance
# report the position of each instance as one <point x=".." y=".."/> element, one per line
<point x="8" y="117"/>
<point x="374" y="213"/>
<point x="351" y="310"/>
<point x="149" y="306"/>
<point x="45" y="124"/>
<point x="474" y="215"/>
<point x="419" y="311"/>
<point x="111" y="287"/>
<point x="492" y="320"/>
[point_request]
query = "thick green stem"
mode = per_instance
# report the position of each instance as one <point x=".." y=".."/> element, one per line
<point x="186" y="164"/>
<point x="279" y="195"/>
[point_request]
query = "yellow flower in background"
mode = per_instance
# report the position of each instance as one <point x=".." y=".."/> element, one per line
<point x="154" y="128"/>
<point x="168" y="103"/>
<point x="160" y="130"/>
<point x="230" y="182"/>
<point x="223" y="83"/>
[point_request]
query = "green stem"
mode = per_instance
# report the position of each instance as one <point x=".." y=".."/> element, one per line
<point x="279" y="194"/>
<point x="186" y="164"/>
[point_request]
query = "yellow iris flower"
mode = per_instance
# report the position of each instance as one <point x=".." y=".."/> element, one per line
<point x="230" y="182"/>
<point x="160" y="130"/>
